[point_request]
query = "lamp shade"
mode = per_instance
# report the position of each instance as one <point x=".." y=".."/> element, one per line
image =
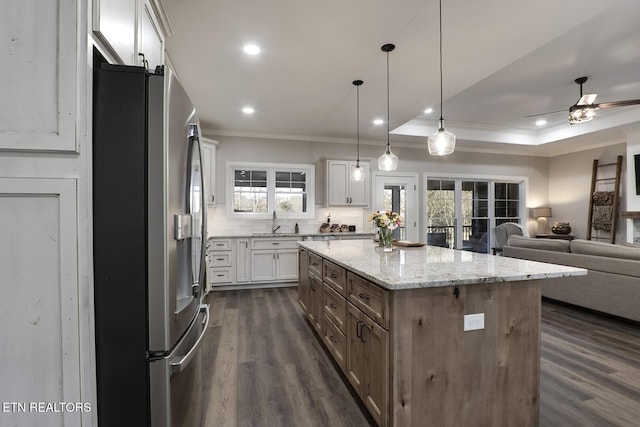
<point x="388" y="161"/>
<point x="543" y="212"/>
<point x="442" y="142"/>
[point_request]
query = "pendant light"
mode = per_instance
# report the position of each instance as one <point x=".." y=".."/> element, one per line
<point x="388" y="161"/>
<point x="442" y="142"/>
<point x="357" y="174"/>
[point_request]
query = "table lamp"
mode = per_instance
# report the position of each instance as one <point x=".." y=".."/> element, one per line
<point x="542" y="214"/>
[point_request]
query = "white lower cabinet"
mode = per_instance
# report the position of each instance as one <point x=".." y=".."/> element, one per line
<point x="243" y="261"/>
<point x="274" y="260"/>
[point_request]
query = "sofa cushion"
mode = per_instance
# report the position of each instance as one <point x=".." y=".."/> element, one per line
<point x="556" y="245"/>
<point x="588" y="247"/>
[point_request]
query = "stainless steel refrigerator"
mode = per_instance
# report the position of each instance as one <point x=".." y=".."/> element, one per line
<point x="149" y="220"/>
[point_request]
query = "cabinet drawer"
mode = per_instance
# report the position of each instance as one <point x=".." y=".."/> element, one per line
<point x="219" y="244"/>
<point x="220" y="259"/>
<point x="370" y="298"/>
<point x="335" y="341"/>
<point x="335" y="276"/>
<point x="274" y="244"/>
<point x="335" y="307"/>
<point x="220" y="275"/>
<point x="315" y="264"/>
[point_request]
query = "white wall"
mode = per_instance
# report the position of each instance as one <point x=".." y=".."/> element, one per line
<point x="570" y="183"/>
<point x="410" y="160"/>
<point x="632" y="199"/>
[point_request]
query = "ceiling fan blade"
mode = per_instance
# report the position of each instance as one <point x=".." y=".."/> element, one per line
<point x="550" y="112"/>
<point x="587" y="99"/>
<point x="618" y="103"/>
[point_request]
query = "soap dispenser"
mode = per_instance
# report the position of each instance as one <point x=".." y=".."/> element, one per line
<point x="296" y="229"/>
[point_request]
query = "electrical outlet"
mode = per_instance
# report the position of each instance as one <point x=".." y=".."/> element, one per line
<point x="473" y="322"/>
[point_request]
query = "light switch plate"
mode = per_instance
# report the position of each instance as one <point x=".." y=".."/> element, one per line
<point x="473" y="322"/>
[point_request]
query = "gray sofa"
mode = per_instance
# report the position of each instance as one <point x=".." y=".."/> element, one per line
<point x="612" y="284"/>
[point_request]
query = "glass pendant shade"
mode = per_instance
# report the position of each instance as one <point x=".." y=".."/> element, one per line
<point x="357" y="174"/>
<point x="388" y="161"/>
<point x="442" y="142"/>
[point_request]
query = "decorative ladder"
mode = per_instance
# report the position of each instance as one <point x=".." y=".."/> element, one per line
<point x="612" y="222"/>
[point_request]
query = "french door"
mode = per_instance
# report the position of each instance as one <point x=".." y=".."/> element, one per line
<point x="460" y="212"/>
<point x="398" y="193"/>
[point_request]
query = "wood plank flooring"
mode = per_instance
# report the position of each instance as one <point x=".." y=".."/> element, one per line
<point x="263" y="366"/>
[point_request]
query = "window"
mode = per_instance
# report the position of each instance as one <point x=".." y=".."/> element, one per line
<point x="260" y="189"/>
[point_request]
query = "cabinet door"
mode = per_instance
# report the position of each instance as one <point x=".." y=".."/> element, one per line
<point x="150" y="41"/>
<point x="263" y="265"/>
<point x="209" y="165"/>
<point x="376" y="342"/>
<point x="286" y="264"/>
<point x="355" y="349"/>
<point x="114" y="22"/>
<point x="243" y="260"/>
<point x="41" y="49"/>
<point x="303" y="279"/>
<point x="337" y="176"/>
<point x="316" y="301"/>
<point x="359" y="190"/>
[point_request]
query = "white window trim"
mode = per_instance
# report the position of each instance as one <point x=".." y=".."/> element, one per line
<point x="271" y="168"/>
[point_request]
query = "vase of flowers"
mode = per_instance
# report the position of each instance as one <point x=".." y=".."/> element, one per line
<point x="386" y="221"/>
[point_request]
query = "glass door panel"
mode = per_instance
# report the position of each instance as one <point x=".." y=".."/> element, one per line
<point x="441" y="212"/>
<point x="475" y="216"/>
<point x="395" y="200"/>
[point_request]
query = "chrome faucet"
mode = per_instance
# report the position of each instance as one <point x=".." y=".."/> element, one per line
<point x="274" y="227"/>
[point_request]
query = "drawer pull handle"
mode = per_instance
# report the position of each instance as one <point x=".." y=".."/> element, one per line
<point x="363" y="296"/>
<point x="332" y="305"/>
<point x="219" y="244"/>
<point x="358" y="323"/>
<point x="275" y="243"/>
<point x="315" y="264"/>
<point x="333" y="276"/>
<point x="332" y="338"/>
<point x="220" y="275"/>
<point x="219" y="259"/>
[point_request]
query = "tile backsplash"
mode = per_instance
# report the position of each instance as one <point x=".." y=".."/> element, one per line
<point x="220" y="224"/>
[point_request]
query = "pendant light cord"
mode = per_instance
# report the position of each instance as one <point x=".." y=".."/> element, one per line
<point x="441" y="97"/>
<point x="358" y="124"/>
<point x="388" y="129"/>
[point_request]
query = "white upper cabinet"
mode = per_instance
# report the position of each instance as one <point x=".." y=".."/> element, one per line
<point x="39" y="83"/>
<point x="114" y="22"/>
<point x="209" y="147"/>
<point x="150" y="40"/>
<point x="129" y="28"/>
<point x="336" y="186"/>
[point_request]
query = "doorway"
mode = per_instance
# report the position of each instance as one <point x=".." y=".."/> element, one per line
<point x="398" y="193"/>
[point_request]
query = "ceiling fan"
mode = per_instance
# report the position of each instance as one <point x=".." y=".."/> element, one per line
<point x="584" y="110"/>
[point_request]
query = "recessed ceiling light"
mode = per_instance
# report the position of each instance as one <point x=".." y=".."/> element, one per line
<point x="428" y="111"/>
<point x="248" y="110"/>
<point x="251" y="49"/>
<point x="378" y="122"/>
<point x="541" y="122"/>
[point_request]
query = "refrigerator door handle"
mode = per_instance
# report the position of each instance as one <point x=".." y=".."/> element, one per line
<point x="181" y="364"/>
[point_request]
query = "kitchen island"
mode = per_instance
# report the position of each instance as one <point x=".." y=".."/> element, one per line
<point x="430" y="336"/>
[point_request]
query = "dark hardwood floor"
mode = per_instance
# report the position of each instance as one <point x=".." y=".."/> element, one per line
<point x="263" y="366"/>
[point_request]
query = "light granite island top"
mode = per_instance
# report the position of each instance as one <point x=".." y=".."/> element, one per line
<point x="432" y="266"/>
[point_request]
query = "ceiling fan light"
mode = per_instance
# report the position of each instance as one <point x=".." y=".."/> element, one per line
<point x="442" y="142"/>
<point x="388" y="161"/>
<point x="581" y="115"/>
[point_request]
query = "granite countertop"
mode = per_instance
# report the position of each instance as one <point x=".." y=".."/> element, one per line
<point x="431" y="266"/>
<point x="301" y="235"/>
